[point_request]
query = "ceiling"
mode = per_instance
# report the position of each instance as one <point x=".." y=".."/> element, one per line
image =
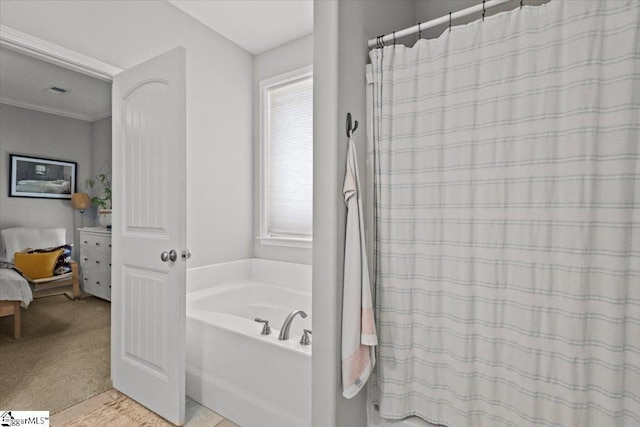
<point x="24" y="82"/>
<point x="254" y="25"/>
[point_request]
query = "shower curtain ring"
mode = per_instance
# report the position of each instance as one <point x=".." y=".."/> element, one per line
<point x="419" y="31"/>
<point x="483" y="10"/>
<point x="521" y="3"/>
<point x="449" y="21"/>
<point x="394" y="38"/>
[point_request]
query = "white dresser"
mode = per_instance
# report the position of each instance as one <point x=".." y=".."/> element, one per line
<point x="95" y="261"/>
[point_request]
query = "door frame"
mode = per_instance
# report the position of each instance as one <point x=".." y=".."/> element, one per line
<point x="58" y="55"/>
<point x="49" y="52"/>
<point x="41" y="49"/>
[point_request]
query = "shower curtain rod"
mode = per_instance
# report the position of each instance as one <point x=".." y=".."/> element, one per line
<point x="382" y="40"/>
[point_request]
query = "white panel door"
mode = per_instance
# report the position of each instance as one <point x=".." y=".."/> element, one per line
<point x="149" y="185"/>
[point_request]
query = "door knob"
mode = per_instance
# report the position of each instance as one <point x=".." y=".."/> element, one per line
<point x="172" y="256"/>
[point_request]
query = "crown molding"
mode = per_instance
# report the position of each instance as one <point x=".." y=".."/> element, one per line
<point x="100" y="116"/>
<point x="57" y="112"/>
<point x="52" y="53"/>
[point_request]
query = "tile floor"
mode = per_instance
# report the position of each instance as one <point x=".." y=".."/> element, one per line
<point x="196" y="415"/>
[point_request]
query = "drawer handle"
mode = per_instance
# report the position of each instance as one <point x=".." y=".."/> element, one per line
<point x="97" y="244"/>
<point x="85" y="259"/>
<point x="97" y="262"/>
<point x="97" y="283"/>
<point x="86" y="242"/>
<point x="85" y="279"/>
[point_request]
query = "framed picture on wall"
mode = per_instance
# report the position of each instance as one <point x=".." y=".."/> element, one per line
<point x="42" y="178"/>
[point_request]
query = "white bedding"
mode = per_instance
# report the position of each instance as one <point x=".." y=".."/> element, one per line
<point x="14" y="287"/>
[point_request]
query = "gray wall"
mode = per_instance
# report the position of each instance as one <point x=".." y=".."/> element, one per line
<point x="37" y="134"/>
<point x="288" y="57"/>
<point x="341" y="31"/>
<point x="101" y="146"/>
<point x="101" y="142"/>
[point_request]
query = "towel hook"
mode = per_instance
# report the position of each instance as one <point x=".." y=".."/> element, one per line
<point x="351" y="130"/>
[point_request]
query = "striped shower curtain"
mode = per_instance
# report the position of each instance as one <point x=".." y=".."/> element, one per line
<point x="507" y="212"/>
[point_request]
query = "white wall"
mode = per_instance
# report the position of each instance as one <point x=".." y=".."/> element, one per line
<point x="341" y="31"/>
<point x="219" y="102"/>
<point x="36" y="134"/>
<point x="290" y="56"/>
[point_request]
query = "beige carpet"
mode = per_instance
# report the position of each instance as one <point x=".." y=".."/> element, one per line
<point x="122" y="412"/>
<point x="63" y="357"/>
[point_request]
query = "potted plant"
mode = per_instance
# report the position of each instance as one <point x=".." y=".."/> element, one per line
<point x="103" y="201"/>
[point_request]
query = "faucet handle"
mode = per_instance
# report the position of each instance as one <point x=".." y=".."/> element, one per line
<point x="266" y="329"/>
<point x="306" y="339"/>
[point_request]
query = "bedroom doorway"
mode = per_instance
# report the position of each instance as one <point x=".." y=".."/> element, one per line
<point x="52" y="112"/>
<point x="171" y="329"/>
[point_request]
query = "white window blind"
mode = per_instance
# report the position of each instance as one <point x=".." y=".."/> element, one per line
<point x="290" y="159"/>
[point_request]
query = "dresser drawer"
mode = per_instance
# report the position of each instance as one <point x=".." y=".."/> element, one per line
<point x="98" y="283"/>
<point x="95" y="259"/>
<point x="95" y="242"/>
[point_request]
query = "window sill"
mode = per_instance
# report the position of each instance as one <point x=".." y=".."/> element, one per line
<point x="293" y="242"/>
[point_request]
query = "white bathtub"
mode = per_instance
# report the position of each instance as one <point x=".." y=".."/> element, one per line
<point x="249" y="378"/>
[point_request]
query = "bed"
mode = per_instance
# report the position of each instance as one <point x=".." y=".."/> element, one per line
<point x="15" y="292"/>
<point x="34" y="186"/>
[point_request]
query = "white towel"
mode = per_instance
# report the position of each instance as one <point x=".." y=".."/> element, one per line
<point x="358" y="324"/>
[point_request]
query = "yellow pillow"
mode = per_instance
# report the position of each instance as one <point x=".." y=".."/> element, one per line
<point x="37" y="266"/>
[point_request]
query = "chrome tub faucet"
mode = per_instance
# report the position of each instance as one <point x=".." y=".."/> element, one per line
<point x="284" y="332"/>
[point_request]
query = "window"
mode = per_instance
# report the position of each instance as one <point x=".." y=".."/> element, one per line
<point x="286" y="199"/>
